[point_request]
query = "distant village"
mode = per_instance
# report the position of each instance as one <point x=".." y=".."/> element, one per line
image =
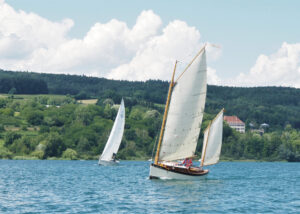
<point x="237" y="124"/>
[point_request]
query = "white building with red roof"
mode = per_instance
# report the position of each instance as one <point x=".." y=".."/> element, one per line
<point x="235" y="123"/>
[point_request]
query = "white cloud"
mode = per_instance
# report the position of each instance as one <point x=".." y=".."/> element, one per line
<point x="113" y="50"/>
<point x="212" y="77"/>
<point x="148" y="50"/>
<point x="279" y="69"/>
<point x="156" y="58"/>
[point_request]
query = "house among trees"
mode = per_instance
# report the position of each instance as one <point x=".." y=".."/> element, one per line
<point x="235" y="123"/>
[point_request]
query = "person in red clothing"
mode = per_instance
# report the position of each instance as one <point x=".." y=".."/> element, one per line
<point x="188" y="162"/>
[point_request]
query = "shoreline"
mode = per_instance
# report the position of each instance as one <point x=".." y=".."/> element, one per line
<point x="138" y="159"/>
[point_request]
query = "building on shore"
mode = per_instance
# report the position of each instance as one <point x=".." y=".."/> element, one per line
<point x="235" y="123"/>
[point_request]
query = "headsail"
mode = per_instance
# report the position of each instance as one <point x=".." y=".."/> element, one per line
<point x="185" y="112"/>
<point x="212" y="141"/>
<point x="116" y="134"/>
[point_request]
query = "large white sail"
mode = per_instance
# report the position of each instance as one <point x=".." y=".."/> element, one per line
<point x="185" y="112"/>
<point x="115" y="137"/>
<point x="212" y="141"/>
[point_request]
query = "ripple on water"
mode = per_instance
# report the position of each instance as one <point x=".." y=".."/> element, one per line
<point x="84" y="187"/>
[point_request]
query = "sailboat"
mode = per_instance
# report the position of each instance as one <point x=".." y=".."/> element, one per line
<point x="181" y="126"/>
<point x="108" y="156"/>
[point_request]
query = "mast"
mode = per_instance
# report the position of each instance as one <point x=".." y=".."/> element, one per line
<point x="165" y="115"/>
<point x="204" y="152"/>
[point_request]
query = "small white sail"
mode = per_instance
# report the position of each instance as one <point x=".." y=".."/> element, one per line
<point x="212" y="141"/>
<point x="185" y="112"/>
<point x="115" y="137"/>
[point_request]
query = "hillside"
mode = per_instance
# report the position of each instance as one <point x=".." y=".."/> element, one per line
<point x="57" y="126"/>
<point x="276" y="106"/>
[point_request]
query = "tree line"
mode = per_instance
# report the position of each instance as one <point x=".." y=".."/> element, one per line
<point x="276" y="106"/>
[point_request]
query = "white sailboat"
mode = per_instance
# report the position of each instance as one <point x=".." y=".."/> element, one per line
<point x="212" y="141"/>
<point x="181" y="125"/>
<point x="108" y="156"/>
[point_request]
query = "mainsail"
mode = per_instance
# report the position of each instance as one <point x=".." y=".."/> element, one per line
<point x="212" y="141"/>
<point x="115" y="137"/>
<point x="185" y="112"/>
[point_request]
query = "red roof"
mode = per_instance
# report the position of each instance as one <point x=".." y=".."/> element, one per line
<point x="233" y="119"/>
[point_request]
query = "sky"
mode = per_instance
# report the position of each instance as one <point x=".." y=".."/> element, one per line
<point x="258" y="40"/>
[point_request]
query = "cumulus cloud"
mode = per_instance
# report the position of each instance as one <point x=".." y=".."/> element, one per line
<point x="113" y="50"/>
<point x="212" y="77"/>
<point x="279" y="69"/>
<point x="148" y="50"/>
<point x="156" y="58"/>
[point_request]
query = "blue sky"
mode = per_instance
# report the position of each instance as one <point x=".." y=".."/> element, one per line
<point x="245" y="30"/>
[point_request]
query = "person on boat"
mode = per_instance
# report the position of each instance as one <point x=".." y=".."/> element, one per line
<point x="188" y="162"/>
<point x="114" y="157"/>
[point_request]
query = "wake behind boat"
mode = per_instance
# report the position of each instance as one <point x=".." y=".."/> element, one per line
<point x="181" y="126"/>
<point x="108" y="156"/>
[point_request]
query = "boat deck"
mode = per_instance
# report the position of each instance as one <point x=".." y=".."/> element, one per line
<point x="179" y="168"/>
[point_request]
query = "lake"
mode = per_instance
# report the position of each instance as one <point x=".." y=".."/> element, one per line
<point x="49" y="186"/>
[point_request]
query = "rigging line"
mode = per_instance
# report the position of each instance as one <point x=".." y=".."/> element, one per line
<point x="203" y="48"/>
<point x="154" y="146"/>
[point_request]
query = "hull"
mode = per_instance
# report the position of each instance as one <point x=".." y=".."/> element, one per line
<point x="108" y="163"/>
<point x="159" y="172"/>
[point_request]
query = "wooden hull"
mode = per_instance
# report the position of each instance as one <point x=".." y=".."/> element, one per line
<point x="108" y="163"/>
<point x="173" y="172"/>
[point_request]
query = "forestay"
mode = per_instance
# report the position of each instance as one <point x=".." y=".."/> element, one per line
<point x="116" y="134"/>
<point x="185" y="112"/>
<point x="212" y="141"/>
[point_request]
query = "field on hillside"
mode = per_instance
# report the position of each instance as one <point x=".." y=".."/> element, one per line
<point x="88" y="102"/>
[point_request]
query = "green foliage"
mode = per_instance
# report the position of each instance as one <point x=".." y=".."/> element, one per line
<point x="5" y="153"/>
<point x="136" y="114"/>
<point x="38" y="154"/>
<point x="23" y="84"/>
<point x="70" y="154"/>
<point x="21" y="145"/>
<point x="7" y="111"/>
<point x="35" y="117"/>
<point x="54" y="145"/>
<point x="10" y="138"/>
<point x="45" y="126"/>
<point x="3" y="102"/>
<point x="290" y="149"/>
<point x="12" y="91"/>
<point x="130" y="134"/>
<point x="81" y="96"/>
<point x="2" y="129"/>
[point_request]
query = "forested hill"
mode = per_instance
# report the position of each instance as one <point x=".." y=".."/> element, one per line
<point x="89" y="87"/>
<point x="276" y="106"/>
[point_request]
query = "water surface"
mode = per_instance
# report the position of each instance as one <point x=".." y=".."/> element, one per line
<point x="40" y="186"/>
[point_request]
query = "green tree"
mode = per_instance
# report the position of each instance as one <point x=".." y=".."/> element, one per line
<point x="70" y="154"/>
<point x="54" y="146"/>
<point x="35" y="117"/>
<point x="10" y="138"/>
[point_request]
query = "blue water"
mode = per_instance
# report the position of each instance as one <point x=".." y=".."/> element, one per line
<point x="84" y="187"/>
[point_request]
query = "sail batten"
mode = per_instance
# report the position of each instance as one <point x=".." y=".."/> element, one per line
<point x="185" y="112"/>
<point x="116" y="134"/>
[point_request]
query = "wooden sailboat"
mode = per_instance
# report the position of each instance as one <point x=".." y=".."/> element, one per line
<point x="108" y="156"/>
<point x="181" y="125"/>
